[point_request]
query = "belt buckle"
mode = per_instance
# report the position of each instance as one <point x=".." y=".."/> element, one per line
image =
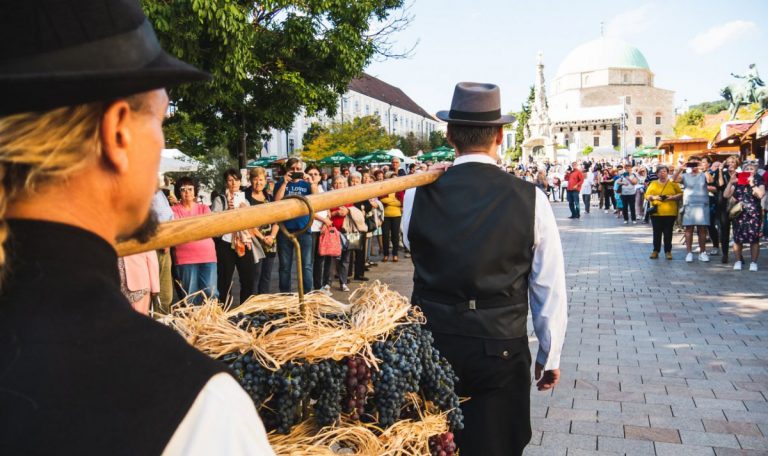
<point x="464" y="306"/>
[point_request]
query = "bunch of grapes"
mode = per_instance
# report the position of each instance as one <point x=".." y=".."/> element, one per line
<point x="291" y="386"/>
<point x="253" y="377"/>
<point x="254" y="320"/>
<point x="399" y="373"/>
<point x="438" y="381"/>
<point x="358" y="376"/>
<point x="329" y="390"/>
<point x="442" y="445"/>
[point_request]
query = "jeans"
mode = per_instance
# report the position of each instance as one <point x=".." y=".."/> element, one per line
<point x="341" y="265"/>
<point x="586" y="199"/>
<point x="662" y="226"/>
<point x="263" y="275"/>
<point x="628" y="204"/>
<point x="227" y="262"/>
<point x="573" y="203"/>
<point x="391" y="232"/>
<point x="285" y="251"/>
<point x="198" y="277"/>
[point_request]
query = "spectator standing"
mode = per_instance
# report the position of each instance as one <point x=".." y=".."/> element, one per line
<point x="195" y="261"/>
<point x="293" y="183"/>
<point x="664" y="195"/>
<point x="724" y="173"/>
<point x="627" y="186"/>
<point x="393" y="212"/>
<point x="748" y="191"/>
<point x="321" y="265"/>
<point x="162" y="209"/>
<point x="266" y="235"/>
<point x="586" y="190"/>
<point x="338" y="214"/>
<point x="695" y="207"/>
<point x="710" y="172"/>
<point x="574" y="178"/>
<point x="234" y="250"/>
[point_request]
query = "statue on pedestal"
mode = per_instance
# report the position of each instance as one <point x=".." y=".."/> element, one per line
<point x="752" y="90"/>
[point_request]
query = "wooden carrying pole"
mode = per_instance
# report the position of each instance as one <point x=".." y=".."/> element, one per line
<point x="212" y="225"/>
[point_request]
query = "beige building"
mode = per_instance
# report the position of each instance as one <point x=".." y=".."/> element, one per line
<point x="597" y="83"/>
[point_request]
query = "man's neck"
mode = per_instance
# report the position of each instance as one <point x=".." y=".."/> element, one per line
<point x="488" y="153"/>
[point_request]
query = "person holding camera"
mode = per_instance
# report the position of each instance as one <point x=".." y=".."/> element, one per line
<point x="663" y="196"/>
<point x="627" y="186"/>
<point x="294" y="183"/>
<point x="747" y="189"/>
<point x="695" y="206"/>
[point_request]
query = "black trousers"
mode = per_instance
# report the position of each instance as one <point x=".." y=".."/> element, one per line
<point x="725" y="225"/>
<point x="662" y="227"/>
<point x="359" y="259"/>
<point x="714" y="220"/>
<point x="391" y="232"/>
<point x="496" y="376"/>
<point x="227" y="260"/>
<point x="628" y="204"/>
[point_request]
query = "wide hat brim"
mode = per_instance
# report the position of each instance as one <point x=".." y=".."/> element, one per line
<point x="502" y="120"/>
<point x="44" y="91"/>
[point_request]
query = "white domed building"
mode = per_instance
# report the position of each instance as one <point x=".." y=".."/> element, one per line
<point x="594" y="85"/>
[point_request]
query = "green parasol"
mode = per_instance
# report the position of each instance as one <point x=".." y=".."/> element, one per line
<point x="377" y="156"/>
<point x="339" y="158"/>
<point x="261" y="162"/>
<point x="440" y="154"/>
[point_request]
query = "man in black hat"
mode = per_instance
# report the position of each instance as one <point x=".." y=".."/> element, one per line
<point x="81" y="111"/>
<point x="485" y="247"/>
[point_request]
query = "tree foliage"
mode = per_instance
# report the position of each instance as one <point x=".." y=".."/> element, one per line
<point x="362" y="134"/>
<point x="710" y="107"/>
<point x="514" y="153"/>
<point x="269" y="59"/>
<point x="211" y="170"/>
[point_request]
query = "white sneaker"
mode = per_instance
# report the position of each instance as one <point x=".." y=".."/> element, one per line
<point x="689" y="258"/>
<point x="714" y="251"/>
<point x="753" y="267"/>
<point x="344" y="287"/>
<point x="625" y="222"/>
<point x="326" y="287"/>
<point x="737" y="266"/>
<point x="634" y="222"/>
<point x="704" y="257"/>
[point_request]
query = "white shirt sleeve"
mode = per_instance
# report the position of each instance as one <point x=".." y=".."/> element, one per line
<point x="222" y="420"/>
<point x="546" y="286"/>
<point x="405" y="222"/>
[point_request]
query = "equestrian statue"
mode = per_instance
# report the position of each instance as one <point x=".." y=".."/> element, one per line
<point x="751" y="90"/>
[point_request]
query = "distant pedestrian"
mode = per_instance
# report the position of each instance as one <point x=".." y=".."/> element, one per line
<point x="575" y="179"/>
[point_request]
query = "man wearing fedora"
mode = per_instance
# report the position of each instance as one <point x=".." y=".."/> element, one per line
<point x="82" y="102"/>
<point x="486" y="247"/>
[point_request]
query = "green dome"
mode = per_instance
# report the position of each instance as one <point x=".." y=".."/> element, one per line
<point x="601" y="54"/>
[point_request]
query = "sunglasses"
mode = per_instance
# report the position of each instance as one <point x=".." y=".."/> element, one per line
<point x="187" y="189"/>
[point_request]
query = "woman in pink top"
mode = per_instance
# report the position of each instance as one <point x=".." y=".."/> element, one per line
<point x="195" y="261"/>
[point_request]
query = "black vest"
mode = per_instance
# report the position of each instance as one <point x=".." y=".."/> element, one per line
<point x="471" y="236"/>
<point x="81" y="372"/>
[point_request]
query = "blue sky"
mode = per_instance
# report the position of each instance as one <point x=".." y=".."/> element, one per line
<point x="691" y="46"/>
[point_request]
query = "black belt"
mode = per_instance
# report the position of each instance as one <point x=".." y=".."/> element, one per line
<point x="466" y="304"/>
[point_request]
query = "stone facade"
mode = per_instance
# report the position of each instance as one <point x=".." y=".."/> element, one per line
<point x="587" y="102"/>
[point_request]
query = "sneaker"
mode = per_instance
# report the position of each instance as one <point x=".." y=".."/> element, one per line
<point x="703" y="257"/>
<point x="625" y="222"/>
<point x="361" y="279"/>
<point x="326" y="287"/>
<point x="634" y="222"/>
<point x="607" y="212"/>
<point x="737" y="266"/>
<point x="714" y="251"/>
<point x="668" y="255"/>
<point x="654" y="255"/>
<point x="344" y="287"/>
<point x="689" y="258"/>
<point x="753" y="267"/>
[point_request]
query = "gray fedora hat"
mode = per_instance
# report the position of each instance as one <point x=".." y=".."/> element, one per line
<point x="475" y="103"/>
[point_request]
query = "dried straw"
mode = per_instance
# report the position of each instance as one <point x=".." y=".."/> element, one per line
<point x="373" y="313"/>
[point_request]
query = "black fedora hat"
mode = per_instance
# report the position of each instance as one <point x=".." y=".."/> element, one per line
<point x="56" y="53"/>
<point x="475" y="103"/>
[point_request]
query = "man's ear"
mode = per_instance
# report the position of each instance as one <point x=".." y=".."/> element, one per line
<point x="500" y="136"/>
<point x="116" y="136"/>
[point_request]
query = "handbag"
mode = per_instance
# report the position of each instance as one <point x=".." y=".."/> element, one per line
<point x="329" y="242"/>
<point x="354" y="240"/>
<point x="735" y="208"/>
<point x="654" y="208"/>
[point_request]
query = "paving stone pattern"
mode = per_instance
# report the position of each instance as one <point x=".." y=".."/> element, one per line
<point x="661" y="357"/>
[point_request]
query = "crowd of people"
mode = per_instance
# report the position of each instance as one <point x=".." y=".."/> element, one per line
<point x="709" y="197"/>
<point x="206" y="268"/>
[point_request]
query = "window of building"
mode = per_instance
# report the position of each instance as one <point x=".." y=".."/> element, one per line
<point x="628" y="100"/>
<point x="639" y="120"/>
<point x="567" y="140"/>
<point x="658" y="140"/>
<point x="290" y="145"/>
<point x="658" y="120"/>
<point x="367" y="110"/>
<point x="638" y="141"/>
<point x="596" y="141"/>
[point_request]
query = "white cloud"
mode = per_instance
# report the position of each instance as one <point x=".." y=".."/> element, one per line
<point x="720" y="35"/>
<point x="630" y="22"/>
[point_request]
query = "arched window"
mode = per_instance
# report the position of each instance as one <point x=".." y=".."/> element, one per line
<point x="639" y="118"/>
<point x="658" y="118"/>
<point x="638" y="139"/>
<point x="658" y="137"/>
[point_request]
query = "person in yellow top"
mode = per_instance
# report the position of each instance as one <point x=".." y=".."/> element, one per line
<point x="393" y="212"/>
<point x="663" y="194"/>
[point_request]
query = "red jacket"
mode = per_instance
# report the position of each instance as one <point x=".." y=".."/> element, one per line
<point x="575" y="178"/>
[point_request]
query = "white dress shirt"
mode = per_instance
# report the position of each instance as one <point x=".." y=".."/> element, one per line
<point x="222" y="420"/>
<point x="546" y="284"/>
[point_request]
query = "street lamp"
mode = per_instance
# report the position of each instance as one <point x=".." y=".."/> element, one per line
<point x="623" y="126"/>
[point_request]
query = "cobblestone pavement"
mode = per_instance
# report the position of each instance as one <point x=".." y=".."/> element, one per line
<point x="661" y="357"/>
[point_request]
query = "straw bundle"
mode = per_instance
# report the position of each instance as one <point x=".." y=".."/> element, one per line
<point x="322" y="329"/>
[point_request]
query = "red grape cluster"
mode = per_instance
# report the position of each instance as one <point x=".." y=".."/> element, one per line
<point x="358" y="377"/>
<point x="442" y="445"/>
